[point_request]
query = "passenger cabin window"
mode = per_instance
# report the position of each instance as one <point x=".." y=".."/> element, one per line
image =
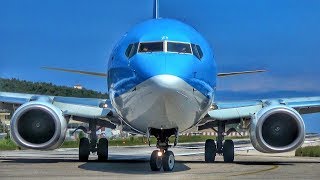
<point x="178" y="47"/>
<point x="151" y="47"/>
<point x="197" y="51"/>
<point x="132" y="50"/>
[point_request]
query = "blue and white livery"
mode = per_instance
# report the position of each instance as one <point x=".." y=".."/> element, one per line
<point x="161" y="80"/>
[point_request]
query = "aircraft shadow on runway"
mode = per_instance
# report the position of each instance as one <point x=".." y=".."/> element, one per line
<point x="127" y="167"/>
<point x="137" y="166"/>
<point x="37" y="161"/>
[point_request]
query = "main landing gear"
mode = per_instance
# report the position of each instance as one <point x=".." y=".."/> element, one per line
<point x="163" y="158"/>
<point x="93" y="145"/>
<point x="225" y="148"/>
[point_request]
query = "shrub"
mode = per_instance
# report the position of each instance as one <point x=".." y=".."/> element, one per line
<point x="310" y="151"/>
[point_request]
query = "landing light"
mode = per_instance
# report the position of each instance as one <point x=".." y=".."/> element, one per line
<point x="159" y="153"/>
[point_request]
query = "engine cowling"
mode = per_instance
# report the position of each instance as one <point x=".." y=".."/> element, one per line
<point x="38" y="125"/>
<point x="277" y="128"/>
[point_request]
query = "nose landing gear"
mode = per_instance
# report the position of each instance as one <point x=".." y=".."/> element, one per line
<point x="163" y="157"/>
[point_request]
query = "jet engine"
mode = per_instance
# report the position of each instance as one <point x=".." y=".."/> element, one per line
<point x="277" y="128"/>
<point x="38" y="125"/>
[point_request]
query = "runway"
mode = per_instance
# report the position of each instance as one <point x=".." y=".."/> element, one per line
<point x="133" y="163"/>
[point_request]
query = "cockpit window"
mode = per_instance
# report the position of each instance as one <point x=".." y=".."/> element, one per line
<point x="197" y="51"/>
<point x="132" y="50"/>
<point x="129" y="50"/>
<point x="178" y="47"/>
<point x="151" y="47"/>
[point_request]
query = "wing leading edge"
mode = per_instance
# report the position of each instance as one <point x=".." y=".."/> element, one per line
<point x="77" y="71"/>
<point x="85" y="109"/>
<point x="239" y="73"/>
<point x="243" y="109"/>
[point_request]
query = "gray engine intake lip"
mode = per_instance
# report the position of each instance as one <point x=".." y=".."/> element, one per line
<point x="21" y="141"/>
<point x="295" y="144"/>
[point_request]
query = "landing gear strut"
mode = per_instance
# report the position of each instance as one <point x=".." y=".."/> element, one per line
<point x="163" y="157"/>
<point x="225" y="148"/>
<point x="93" y="145"/>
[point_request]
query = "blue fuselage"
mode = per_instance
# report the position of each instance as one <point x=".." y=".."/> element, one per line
<point x="154" y="84"/>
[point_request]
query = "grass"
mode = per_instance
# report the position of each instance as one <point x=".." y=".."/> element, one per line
<point x="309" y="151"/>
<point x="8" y="144"/>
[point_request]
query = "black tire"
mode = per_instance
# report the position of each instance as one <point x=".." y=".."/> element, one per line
<point x="84" y="149"/>
<point x="168" y="161"/>
<point x="228" y="151"/>
<point x="155" y="161"/>
<point x="102" y="149"/>
<point x="210" y="151"/>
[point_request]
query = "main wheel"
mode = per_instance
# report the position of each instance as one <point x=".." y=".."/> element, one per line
<point x="168" y="161"/>
<point x="84" y="149"/>
<point x="102" y="149"/>
<point x="228" y="151"/>
<point x="155" y="161"/>
<point x="210" y="151"/>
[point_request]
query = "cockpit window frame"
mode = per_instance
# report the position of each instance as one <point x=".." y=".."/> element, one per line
<point x="131" y="50"/>
<point x="178" y="42"/>
<point x="199" y="51"/>
<point x="145" y="42"/>
<point x="192" y="46"/>
<point x="128" y="50"/>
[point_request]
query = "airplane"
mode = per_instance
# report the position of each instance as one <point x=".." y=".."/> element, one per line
<point x="161" y="80"/>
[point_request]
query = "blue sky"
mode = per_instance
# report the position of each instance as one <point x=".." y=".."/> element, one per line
<point x="280" y="36"/>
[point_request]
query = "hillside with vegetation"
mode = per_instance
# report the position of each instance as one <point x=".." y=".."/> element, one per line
<point x="43" y="88"/>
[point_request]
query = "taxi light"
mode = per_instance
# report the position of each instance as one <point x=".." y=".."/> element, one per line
<point x="159" y="153"/>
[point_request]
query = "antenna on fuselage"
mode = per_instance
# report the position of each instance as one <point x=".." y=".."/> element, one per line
<point x="156" y="9"/>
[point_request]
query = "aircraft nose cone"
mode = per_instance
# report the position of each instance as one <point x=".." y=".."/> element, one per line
<point x="167" y="81"/>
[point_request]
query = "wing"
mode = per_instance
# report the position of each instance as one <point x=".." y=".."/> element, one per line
<point x="239" y="73"/>
<point x="77" y="71"/>
<point x="236" y="111"/>
<point x="274" y="125"/>
<point x="79" y="109"/>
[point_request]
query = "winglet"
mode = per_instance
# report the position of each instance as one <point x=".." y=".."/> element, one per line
<point x="239" y="73"/>
<point x="156" y="9"/>
<point x="77" y="71"/>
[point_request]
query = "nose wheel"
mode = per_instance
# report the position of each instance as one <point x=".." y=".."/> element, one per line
<point x="159" y="159"/>
<point x="168" y="161"/>
<point x="156" y="160"/>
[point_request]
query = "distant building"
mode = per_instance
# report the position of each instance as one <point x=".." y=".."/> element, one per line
<point x="209" y="132"/>
<point x="5" y="116"/>
<point x="77" y="86"/>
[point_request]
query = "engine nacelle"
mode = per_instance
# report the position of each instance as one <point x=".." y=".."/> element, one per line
<point x="38" y="125"/>
<point x="277" y="128"/>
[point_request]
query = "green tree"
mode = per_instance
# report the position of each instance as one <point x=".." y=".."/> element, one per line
<point x="22" y="86"/>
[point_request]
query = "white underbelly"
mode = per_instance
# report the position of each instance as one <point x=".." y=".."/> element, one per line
<point x="163" y="101"/>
